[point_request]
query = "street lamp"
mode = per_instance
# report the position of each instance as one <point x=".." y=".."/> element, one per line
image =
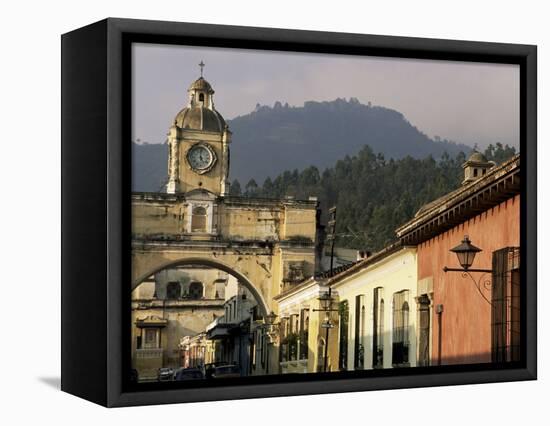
<point x="466" y="253"/>
<point x="325" y="302"/>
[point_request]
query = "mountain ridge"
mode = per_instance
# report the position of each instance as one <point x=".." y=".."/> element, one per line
<point x="270" y="140"/>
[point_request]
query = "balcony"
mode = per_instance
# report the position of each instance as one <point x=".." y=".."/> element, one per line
<point x="153" y="353"/>
<point x="147" y="362"/>
<point x="297" y="366"/>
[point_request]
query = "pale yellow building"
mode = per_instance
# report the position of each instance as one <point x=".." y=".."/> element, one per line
<point x="374" y="315"/>
<point x="302" y="336"/>
<point x="377" y="300"/>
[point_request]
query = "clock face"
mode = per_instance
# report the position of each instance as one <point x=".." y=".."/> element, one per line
<point x="200" y="157"/>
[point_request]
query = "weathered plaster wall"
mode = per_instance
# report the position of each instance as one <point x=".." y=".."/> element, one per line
<point x="247" y="238"/>
<point x="188" y="179"/>
<point x="308" y="298"/>
<point x="393" y="274"/>
<point x="465" y="321"/>
<point x="185" y="318"/>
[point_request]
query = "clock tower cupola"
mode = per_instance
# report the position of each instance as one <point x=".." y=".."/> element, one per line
<point x="198" y="143"/>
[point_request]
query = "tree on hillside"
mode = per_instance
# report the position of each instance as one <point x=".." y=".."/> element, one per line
<point x="374" y="195"/>
<point x="235" y="188"/>
<point x="499" y="153"/>
<point x="251" y="189"/>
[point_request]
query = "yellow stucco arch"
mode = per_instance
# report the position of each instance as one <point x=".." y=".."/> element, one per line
<point x="263" y="306"/>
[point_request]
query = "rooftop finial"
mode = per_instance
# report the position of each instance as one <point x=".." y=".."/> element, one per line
<point x="202" y="66"/>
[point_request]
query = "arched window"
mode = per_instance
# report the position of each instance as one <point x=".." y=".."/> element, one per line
<point x="304" y="334"/>
<point x="343" y="309"/>
<point x="405" y="311"/>
<point x="173" y="290"/>
<point x="400" y="325"/>
<point x="378" y="330"/>
<point x="198" y="220"/>
<point x="219" y="285"/>
<point x="359" y="350"/>
<point x="201" y="97"/>
<point x="321" y="355"/>
<point x="381" y="330"/>
<point x="196" y="290"/>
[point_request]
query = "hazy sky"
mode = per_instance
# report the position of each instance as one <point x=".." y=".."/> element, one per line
<point x="465" y="102"/>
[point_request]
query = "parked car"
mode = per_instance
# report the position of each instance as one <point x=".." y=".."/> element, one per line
<point x="165" y="374"/>
<point x="134" y="376"/>
<point x="182" y="374"/>
<point x="226" y="371"/>
<point x="209" y="368"/>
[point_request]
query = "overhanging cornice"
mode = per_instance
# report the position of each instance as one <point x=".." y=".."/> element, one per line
<point x="497" y="186"/>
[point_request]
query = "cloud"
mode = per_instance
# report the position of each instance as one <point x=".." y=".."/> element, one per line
<point x="461" y="101"/>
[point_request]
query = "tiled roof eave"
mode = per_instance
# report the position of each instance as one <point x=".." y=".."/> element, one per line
<point x="377" y="257"/>
<point x="497" y="186"/>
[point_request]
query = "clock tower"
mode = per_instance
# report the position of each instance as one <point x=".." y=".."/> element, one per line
<point x="198" y="143"/>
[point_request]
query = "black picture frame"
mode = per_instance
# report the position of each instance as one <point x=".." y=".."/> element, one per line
<point x="96" y="208"/>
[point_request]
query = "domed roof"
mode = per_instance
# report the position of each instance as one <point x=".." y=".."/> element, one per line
<point x="200" y="118"/>
<point x="201" y="84"/>
<point x="477" y="157"/>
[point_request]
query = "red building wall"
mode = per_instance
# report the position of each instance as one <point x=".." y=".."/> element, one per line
<point x="465" y="334"/>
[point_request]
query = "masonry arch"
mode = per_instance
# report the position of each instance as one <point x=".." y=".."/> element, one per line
<point x="243" y="280"/>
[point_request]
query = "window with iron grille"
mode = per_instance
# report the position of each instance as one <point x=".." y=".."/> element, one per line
<point x="344" y="327"/>
<point x="263" y="349"/>
<point x="378" y="329"/>
<point x="283" y="333"/>
<point x="304" y="334"/>
<point x="320" y="354"/>
<point x="400" y="329"/>
<point x="505" y="305"/>
<point x="359" y="351"/>
<point x="423" y="303"/>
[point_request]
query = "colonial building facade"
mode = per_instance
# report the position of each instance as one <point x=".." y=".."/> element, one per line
<point x="400" y="307"/>
<point x="377" y="309"/>
<point x="474" y="315"/>
<point x="267" y="245"/>
<point x="302" y="338"/>
<point x="171" y="304"/>
<point x="403" y="307"/>
<point x="373" y="317"/>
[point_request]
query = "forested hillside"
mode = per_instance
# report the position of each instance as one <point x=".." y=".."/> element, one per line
<point x="270" y="140"/>
<point x="374" y="195"/>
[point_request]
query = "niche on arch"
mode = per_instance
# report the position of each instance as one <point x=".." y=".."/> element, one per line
<point x="196" y="290"/>
<point x="173" y="290"/>
<point x="198" y="219"/>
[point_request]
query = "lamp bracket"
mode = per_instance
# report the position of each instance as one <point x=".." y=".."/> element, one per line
<point x="445" y="269"/>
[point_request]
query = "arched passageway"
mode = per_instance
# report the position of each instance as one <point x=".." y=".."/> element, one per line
<point x="243" y="280"/>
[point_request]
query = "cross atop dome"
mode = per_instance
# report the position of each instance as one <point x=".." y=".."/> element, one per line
<point x="202" y="66"/>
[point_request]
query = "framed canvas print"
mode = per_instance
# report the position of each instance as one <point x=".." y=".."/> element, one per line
<point x="253" y="212"/>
